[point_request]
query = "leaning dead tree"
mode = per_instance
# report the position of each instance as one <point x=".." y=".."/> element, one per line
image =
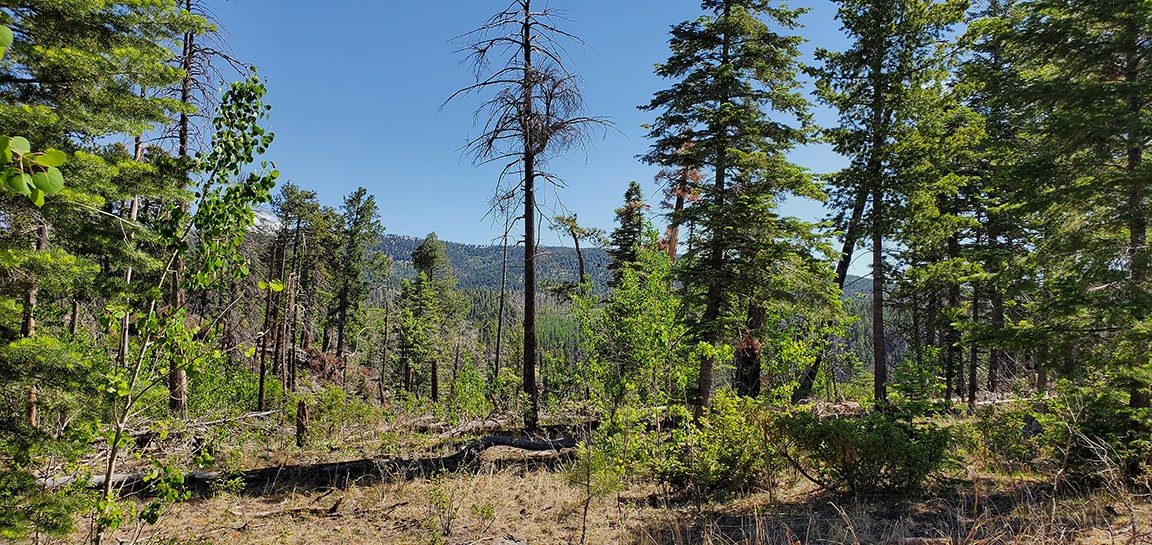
<point x="532" y="110"/>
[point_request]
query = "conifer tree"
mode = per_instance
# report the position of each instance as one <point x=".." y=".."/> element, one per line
<point x="876" y="84"/>
<point x="1086" y="85"/>
<point x="361" y="229"/>
<point x="729" y="67"/>
<point x="628" y="233"/>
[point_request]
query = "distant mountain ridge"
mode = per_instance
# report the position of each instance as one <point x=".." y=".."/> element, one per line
<point x="478" y="266"/>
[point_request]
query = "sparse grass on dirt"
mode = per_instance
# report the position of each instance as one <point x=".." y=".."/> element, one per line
<point x="508" y="502"/>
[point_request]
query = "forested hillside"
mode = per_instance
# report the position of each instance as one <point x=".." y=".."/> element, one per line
<point x="200" y="346"/>
<point x="478" y="266"/>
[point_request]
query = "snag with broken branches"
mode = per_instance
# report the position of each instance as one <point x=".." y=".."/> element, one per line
<point x="533" y="111"/>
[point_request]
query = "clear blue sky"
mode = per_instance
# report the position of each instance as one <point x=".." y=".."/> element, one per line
<point x="356" y="89"/>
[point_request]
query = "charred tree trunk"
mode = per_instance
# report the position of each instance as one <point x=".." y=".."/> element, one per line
<point x="532" y="414"/>
<point x="748" y="357"/>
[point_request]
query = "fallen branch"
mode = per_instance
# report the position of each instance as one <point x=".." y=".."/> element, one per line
<point x="330" y="474"/>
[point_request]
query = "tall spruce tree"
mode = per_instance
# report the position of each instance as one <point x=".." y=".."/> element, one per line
<point x="730" y="66"/>
<point x="1086" y="86"/>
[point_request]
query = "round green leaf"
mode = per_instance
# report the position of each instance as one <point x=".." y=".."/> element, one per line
<point x="5" y="36"/>
<point x="50" y="182"/>
<point x="20" y="145"/>
<point x="37" y="197"/>
<point x="51" y="158"/>
<point x="5" y="150"/>
<point x="21" y="183"/>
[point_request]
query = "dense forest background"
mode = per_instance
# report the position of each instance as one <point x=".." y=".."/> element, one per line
<point x="181" y="324"/>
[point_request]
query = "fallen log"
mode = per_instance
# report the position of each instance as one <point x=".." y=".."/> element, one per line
<point x="337" y="474"/>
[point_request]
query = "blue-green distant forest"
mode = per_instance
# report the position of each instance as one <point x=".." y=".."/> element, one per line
<point x="196" y="349"/>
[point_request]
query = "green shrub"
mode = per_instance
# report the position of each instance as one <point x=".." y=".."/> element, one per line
<point x="725" y="453"/>
<point x="1009" y="436"/>
<point x="1091" y="430"/>
<point x="869" y="454"/>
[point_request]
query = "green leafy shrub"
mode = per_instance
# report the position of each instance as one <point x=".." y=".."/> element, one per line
<point x="723" y="454"/>
<point x="1009" y="436"/>
<point x="1091" y="429"/>
<point x="869" y="454"/>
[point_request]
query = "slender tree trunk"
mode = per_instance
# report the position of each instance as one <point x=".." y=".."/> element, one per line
<point x="996" y="354"/>
<point x="674" y="225"/>
<point x="974" y="353"/>
<point x="579" y="259"/>
<point x="917" y="328"/>
<point x="261" y="402"/>
<point x="455" y="373"/>
<point x="879" y="347"/>
<point x="407" y="373"/>
<point x="177" y="376"/>
<point x="341" y="321"/>
<point x="500" y="313"/>
<point x="1140" y="395"/>
<point x="384" y="348"/>
<point x="717" y="244"/>
<point x="74" y="319"/>
<point x="28" y="323"/>
<point x="435" y="380"/>
<point x="952" y="336"/>
<point x="1042" y="369"/>
<point x="851" y="237"/>
<point x="133" y="213"/>
<point x="532" y="415"/>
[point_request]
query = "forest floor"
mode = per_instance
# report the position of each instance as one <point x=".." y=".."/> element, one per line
<point x="517" y="497"/>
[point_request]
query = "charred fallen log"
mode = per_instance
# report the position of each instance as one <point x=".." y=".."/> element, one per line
<point x="334" y="474"/>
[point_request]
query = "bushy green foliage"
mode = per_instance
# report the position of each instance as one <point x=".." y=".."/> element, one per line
<point x="223" y="385"/>
<point x="873" y="453"/>
<point x="25" y="506"/>
<point x="334" y="412"/>
<point x="724" y="453"/>
<point x="1089" y="426"/>
<point x="1008" y="436"/>
<point x="916" y="386"/>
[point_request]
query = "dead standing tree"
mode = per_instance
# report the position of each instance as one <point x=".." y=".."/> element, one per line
<point x="533" y="110"/>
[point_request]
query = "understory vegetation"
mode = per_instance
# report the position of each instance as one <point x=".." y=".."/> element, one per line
<point x="195" y="350"/>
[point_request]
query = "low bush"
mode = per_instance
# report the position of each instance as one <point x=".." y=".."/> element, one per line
<point x="721" y="455"/>
<point x="1009" y="436"/>
<point x="869" y="454"/>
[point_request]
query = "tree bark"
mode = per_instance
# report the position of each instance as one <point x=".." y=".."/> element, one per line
<point x="879" y="347"/>
<point x="748" y="356"/>
<point x="532" y="414"/>
<point x="952" y="336"/>
<point x="974" y="352"/>
<point x="715" y="294"/>
<point x="851" y="238"/>
<point x="500" y="314"/>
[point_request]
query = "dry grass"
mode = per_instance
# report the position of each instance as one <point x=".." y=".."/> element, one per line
<point x="515" y="498"/>
<point x="517" y="505"/>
